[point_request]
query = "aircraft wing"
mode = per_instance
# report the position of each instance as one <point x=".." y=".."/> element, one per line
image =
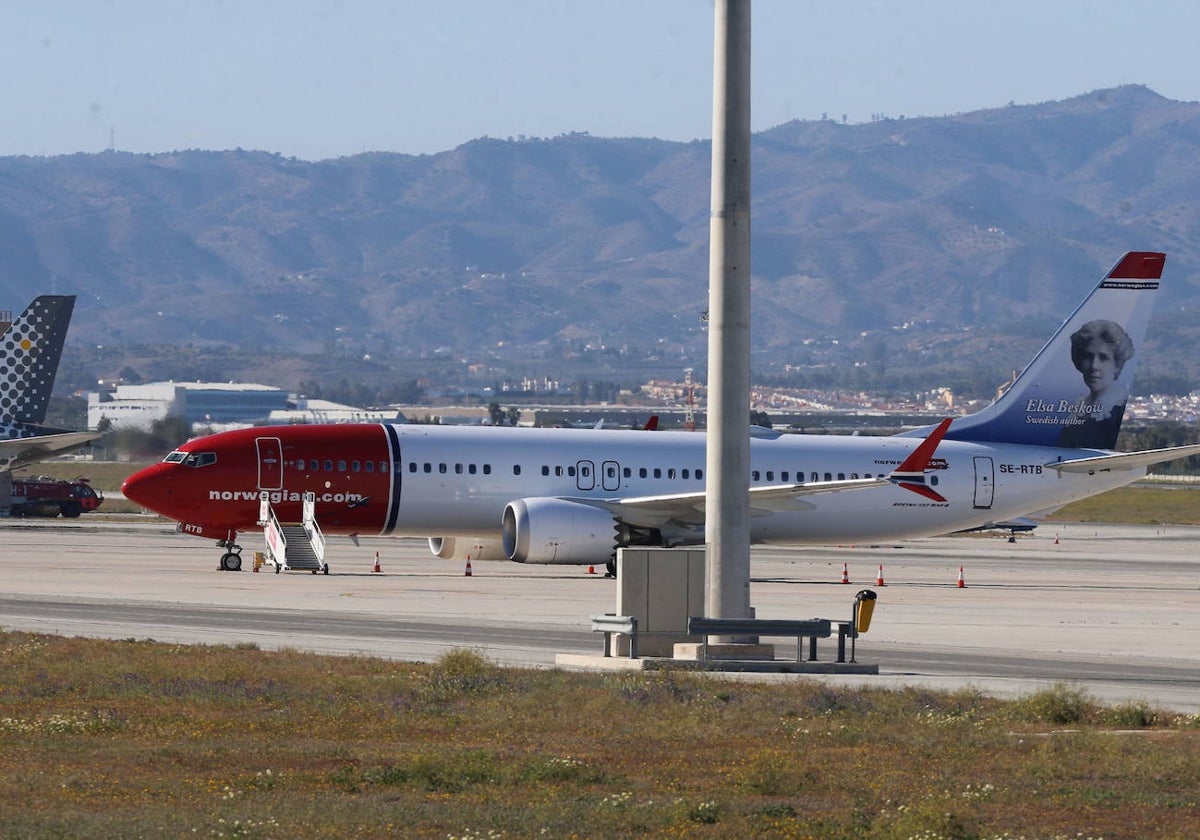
<point x="689" y="507"/>
<point x="20" y="452"/>
<point x="1125" y="460"/>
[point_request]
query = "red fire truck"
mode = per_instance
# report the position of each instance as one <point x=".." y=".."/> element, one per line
<point x="45" y="496"/>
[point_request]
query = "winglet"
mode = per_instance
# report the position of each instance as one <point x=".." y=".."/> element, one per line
<point x="911" y="474"/>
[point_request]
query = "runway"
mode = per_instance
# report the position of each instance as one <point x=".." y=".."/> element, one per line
<point x="1112" y="609"/>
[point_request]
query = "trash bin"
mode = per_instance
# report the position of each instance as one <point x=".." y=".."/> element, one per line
<point x="864" y="608"/>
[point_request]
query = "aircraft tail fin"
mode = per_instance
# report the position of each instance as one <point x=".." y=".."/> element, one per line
<point x="30" y="350"/>
<point x="1073" y="393"/>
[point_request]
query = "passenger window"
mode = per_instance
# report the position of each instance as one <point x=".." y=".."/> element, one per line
<point x="471" y="469"/>
<point x="545" y="470"/>
<point x="854" y="475"/>
<point x="770" y="475"/>
<point x="670" y="472"/>
<point x="933" y="480"/>
<point x="699" y="475"/>
<point x="657" y="472"/>
<point x="814" y="477"/>
<point x="683" y="473"/>
<point x="516" y="469"/>
<point x="841" y="476"/>
<point x="641" y="472"/>
<point x="428" y="467"/>
<point x="328" y="465"/>
<point x="412" y="466"/>
<point x="355" y="466"/>
<point x="754" y="475"/>
<point x="487" y="469"/>
<point x="458" y="468"/>
<point x="829" y="476"/>
<point x="558" y="470"/>
<point x="341" y="466"/>
<point x="442" y="468"/>
<point x="571" y="471"/>
<point x="370" y="466"/>
<point x="627" y="472"/>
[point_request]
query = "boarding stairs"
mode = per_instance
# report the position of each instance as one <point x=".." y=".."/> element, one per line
<point x="293" y="546"/>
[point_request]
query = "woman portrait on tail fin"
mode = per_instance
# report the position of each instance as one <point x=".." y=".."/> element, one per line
<point x="1099" y="351"/>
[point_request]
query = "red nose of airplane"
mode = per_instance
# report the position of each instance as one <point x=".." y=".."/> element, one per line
<point x="151" y="488"/>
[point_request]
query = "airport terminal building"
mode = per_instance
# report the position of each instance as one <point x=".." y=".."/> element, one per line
<point x="218" y="403"/>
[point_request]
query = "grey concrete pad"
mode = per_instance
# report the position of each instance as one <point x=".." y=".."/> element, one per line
<point x="1113" y="609"/>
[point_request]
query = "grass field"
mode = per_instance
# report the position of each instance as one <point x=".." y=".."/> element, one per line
<point x="123" y="739"/>
<point x="120" y="739"/>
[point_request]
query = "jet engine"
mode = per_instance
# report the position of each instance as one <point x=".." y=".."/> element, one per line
<point x="466" y="548"/>
<point x="558" y="531"/>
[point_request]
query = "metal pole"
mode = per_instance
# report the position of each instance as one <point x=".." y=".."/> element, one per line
<point x="727" y="507"/>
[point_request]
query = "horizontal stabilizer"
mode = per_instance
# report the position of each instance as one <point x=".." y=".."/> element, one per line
<point x="1125" y="460"/>
<point x="20" y="452"/>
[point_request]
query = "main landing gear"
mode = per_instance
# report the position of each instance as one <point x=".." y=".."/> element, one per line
<point x="231" y="560"/>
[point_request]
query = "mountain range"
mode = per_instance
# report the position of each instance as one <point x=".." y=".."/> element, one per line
<point x="899" y="243"/>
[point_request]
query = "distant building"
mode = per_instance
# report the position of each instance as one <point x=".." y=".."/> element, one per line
<point x="200" y="403"/>
<point x="324" y="411"/>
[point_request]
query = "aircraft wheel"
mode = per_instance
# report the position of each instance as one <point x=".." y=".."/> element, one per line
<point x="325" y="571"/>
<point x="610" y="569"/>
<point x="231" y="561"/>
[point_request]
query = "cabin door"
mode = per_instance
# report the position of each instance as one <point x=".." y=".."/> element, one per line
<point x="985" y="480"/>
<point x="270" y="463"/>
<point x="610" y="475"/>
<point x="585" y="475"/>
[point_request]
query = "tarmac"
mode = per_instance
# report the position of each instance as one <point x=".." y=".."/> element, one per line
<point x="1114" y="610"/>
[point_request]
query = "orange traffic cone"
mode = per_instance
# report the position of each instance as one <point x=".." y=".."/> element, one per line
<point x="845" y="574"/>
<point x="591" y="570"/>
<point x="467" y="573"/>
<point x="962" y="584"/>
<point x="377" y="567"/>
<point x="879" y="580"/>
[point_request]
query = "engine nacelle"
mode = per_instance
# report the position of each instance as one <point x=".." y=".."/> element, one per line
<point x="466" y="548"/>
<point x="547" y="530"/>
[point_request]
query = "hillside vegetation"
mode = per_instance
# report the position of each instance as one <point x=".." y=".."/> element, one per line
<point x="895" y="249"/>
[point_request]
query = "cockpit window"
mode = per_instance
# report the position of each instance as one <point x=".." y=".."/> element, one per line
<point x="191" y="459"/>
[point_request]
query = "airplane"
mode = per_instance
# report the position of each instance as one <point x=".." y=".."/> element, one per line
<point x="574" y="496"/>
<point x="30" y="350"/>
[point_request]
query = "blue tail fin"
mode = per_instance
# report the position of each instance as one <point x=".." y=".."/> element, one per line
<point x="1073" y="393"/>
<point x="29" y="352"/>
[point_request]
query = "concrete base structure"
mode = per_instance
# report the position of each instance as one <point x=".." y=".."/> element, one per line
<point x="584" y="662"/>
<point x="720" y="652"/>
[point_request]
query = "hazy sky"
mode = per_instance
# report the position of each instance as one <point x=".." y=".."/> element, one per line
<point x="315" y="79"/>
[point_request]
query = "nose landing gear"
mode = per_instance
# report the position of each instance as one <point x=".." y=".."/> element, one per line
<point x="231" y="560"/>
